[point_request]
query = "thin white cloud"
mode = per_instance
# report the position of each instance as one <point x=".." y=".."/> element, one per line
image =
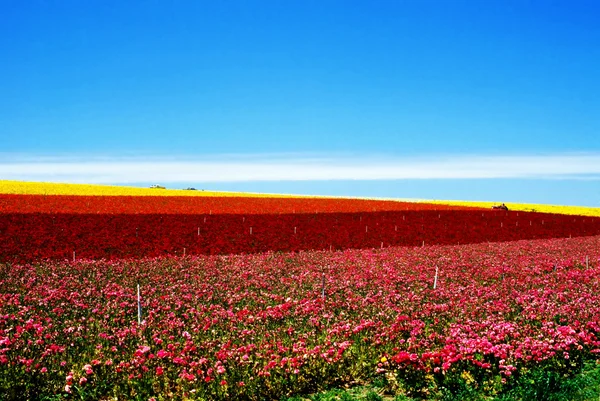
<point x="294" y="167"/>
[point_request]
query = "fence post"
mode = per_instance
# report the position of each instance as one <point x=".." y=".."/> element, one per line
<point x="139" y="305"/>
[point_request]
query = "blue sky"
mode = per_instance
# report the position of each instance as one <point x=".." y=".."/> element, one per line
<point x="482" y="100"/>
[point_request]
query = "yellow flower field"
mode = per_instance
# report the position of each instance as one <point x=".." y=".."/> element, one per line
<point x="48" y="188"/>
<point x="528" y="207"/>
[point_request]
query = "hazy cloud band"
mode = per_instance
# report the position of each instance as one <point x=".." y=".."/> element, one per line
<point x="297" y="168"/>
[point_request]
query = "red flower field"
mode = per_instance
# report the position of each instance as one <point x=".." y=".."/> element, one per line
<point x="116" y="227"/>
<point x="430" y="301"/>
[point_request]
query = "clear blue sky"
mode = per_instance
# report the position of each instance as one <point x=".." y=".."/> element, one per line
<point x="312" y="83"/>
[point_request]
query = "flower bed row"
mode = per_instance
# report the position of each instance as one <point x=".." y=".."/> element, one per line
<point x="31" y="236"/>
<point x="77" y="204"/>
<point x="268" y="325"/>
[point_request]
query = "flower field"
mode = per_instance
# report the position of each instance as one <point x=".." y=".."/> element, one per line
<point x="49" y="188"/>
<point x="529" y="207"/>
<point x="264" y="298"/>
<point x="275" y="324"/>
<point x="34" y="227"/>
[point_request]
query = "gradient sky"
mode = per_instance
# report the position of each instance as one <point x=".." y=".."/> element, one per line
<point x="447" y="99"/>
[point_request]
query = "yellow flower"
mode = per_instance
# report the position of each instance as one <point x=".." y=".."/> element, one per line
<point x="526" y="207"/>
<point x="383" y="359"/>
<point x="49" y="188"/>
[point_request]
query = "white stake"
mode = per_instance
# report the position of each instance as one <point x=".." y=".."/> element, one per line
<point x="294" y="230"/>
<point x="198" y="231"/>
<point x="587" y="262"/>
<point x="423" y="243"/>
<point x="395" y="228"/>
<point x="435" y="279"/>
<point x="184" y="252"/>
<point x="323" y="286"/>
<point x="73" y="256"/>
<point x="250" y="230"/>
<point x="366" y="229"/>
<point x="139" y="305"/>
<point x="205" y="219"/>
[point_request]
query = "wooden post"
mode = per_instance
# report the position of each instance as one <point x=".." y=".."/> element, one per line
<point x="139" y="305"/>
<point x="73" y="256"/>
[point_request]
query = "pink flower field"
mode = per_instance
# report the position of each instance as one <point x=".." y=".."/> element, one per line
<point x="272" y="325"/>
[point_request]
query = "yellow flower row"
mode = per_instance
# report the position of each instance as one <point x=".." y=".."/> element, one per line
<point x="47" y="188"/>
<point x="527" y="207"/>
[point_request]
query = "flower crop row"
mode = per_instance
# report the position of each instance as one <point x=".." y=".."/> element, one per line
<point x="31" y="236"/>
<point x="528" y="207"/>
<point x="49" y="188"/>
<point x="200" y="205"/>
<point x="268" y="325"/>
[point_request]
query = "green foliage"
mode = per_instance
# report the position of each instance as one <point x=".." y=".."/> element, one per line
<point x="543" y="384"/>
<point x="373" y="396"/>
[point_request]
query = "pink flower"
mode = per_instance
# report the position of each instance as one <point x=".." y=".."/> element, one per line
<point x="82" y="381"/>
